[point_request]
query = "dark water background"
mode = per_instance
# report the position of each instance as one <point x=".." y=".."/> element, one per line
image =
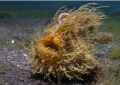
<point x="55" y="5"/>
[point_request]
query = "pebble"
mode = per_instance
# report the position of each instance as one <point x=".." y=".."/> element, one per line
<point x="24" y="55"/>
<point x="13" y="41"/>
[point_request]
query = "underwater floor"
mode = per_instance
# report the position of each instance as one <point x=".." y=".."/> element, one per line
<point x="16" y="33"/>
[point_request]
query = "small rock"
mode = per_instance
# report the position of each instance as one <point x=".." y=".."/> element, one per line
<point x="18" y="65"/>
<point x="13" y="41"/>
<point x="21" y="79"/>
<point x="24" y="55"/>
